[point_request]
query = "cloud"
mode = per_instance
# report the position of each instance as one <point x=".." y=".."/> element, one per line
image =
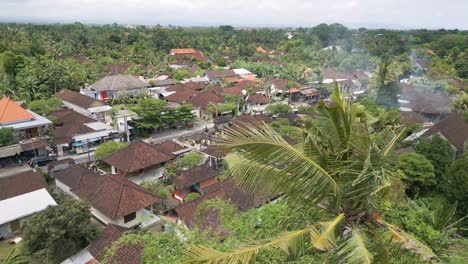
<point x="395" y="13"/>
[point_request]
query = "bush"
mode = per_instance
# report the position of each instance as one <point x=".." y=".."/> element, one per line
<point x="277" y="109"/>
<point x="157" y="188"/>
<point x="106" y="150"/>
<point x="6" y="136"/>
<point x="418" y="171"/>
<point x="438" y="151"/>
<point x="455" y="183"/>
<point x="45" y="107"/>
<point x="189" y="161"/>
<point x="191" y="196"/>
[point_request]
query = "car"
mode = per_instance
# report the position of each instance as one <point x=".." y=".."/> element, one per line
<point x="42" y="160"/>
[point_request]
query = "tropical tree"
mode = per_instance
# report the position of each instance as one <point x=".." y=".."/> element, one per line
<point x="385" y="80"/>
<point x="343" y="167"/>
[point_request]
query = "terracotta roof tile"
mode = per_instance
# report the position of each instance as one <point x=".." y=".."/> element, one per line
<point x="136" y="156"/>
<point x="21" y="183"/>
<point x="257" y="99"/>
<point x="220" y="74"/>
<point x="72" y="124"/>
<point x="115" y="196"/>
<point x="10" y="112"/>
<point x="168" y="147"/>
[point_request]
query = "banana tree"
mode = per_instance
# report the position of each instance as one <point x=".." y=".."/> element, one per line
<point x="342" y="166"/>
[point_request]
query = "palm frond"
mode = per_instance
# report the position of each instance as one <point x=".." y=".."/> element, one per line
<point x="260" y="144"/>
<point x="292" y="242"/>
<point x="323" y="237"/>
<point x="409" y="242"/>
<point x="354" y="250"/>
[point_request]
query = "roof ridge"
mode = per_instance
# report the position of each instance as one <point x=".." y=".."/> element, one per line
<point x="125" y="182"/>
<point x="131" y="155"/>
<point x="118" y="203"/>
<point x="6" y="106"/>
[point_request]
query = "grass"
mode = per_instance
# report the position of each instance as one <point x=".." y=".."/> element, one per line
<point x="458" y="251"/>
<point x="5" y="248"/>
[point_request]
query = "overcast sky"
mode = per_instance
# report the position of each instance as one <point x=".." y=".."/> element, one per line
<point x="352" y="13"/>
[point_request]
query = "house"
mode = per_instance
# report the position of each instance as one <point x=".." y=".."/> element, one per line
<point x="218" y="76"/>
<point x="116" y="200"/>
<point x="293" y="95"/>
<point x="178" y="94"/>
<point x="279" y="86"/>
<point x="29" y="130"/>
<point x="74" y="177"/>
<point x="186" y="51"/>
<point x="226" y="190"/>
<point x="186" y="57"/>
<point x="214" y="155"/>
<point x="173" y="148"/>
<point x="202" y="100"/>
<point x="311" y="95"/>
<point x="85" y="105"/>
<point x="454" y="129"/>
<point x="110" y="86"/>
<point x="198" y="86"/>
<point x="96" y="251"/>
<point x="77" y="133"/>
<point x="256" y="103"/>
<point x="194" y="180"/>
<point x="412" y="118"/>
<point x="139" y="161"/>
<point x="21" y="196"/>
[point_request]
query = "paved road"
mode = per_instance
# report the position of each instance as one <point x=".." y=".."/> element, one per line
<point x="14" y="170"/>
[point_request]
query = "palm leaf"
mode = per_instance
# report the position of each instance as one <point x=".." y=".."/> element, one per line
<point x="409" y="242"/>
<point x="260" y="144"/>
<point x="354" y="250"/>
<point x="289" y="242"/>
<point x="324" y="238"/>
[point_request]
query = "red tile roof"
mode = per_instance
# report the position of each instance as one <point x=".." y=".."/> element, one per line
<point x="194" y="85"/>
<point x="115" y="196"/>
<point x="21" y="183"/>
<point x="293" y="90"/>
<point x="76" y="176"/>
<point x="195" y="175"/>
<point x="184" y="51"/>
<point x="181" y="95"/>
<point x="221" y="74"/>
<point x="10" y="112"/>
<point x="136" y="156"/>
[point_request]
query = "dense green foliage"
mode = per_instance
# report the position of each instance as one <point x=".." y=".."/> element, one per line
<point x="278" y="109"/>
<point x="6" y="136"/>
<point x="417" y="170"/>
<point x="438" y="151"/>
<point x="57" y="232"/>
<point x="106" y="150"/>
<point x="455" y="183"/>
<point x="45" y="106"/>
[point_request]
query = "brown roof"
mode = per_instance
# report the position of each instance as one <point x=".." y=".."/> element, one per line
<point x="78" y="99"/>
<point x="247" y="83"/>
<point x="281" y="84"/>
<point x="234" y="91"/>
<point x="252" y="119"/>
<point x="104" y="241"/>
<point x="409" y="117"/>
<point x="214" y="151"/>
<point x="34" y="144"/>
<point x="257" y="99"/>
<point x="431" y="103"/>
<point x="232" y="79"/>
<point x="73" y="123"/>
<point x="136" y="156"/>
<point x="21" y="183"/>
<point x="226" y="190"/>
<point x="11" y="112"/>
<point x="220" y="74"/>
<point x="168" y="147"/>
<point x="76" y="176"/>
<point x="454" y="128"/>
<point x="194" y="85"/>
<point x="115" y="196"/>
<point x="181" y="95"/>
<point x="195" y="175"/>
<point x="205" y="98"/>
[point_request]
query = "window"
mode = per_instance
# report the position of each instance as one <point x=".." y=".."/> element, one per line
<point x="129" y="217"/>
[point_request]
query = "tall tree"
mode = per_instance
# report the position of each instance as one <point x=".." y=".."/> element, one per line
<point x="342" y="167"/>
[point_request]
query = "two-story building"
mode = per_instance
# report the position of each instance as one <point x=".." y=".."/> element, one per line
<point x="85" y="105"/>
<point x="110" y="87"/>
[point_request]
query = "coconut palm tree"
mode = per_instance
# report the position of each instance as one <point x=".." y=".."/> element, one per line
<point x="343" y="166"/>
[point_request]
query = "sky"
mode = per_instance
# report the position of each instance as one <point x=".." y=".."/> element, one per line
<point x="402" y="14"/>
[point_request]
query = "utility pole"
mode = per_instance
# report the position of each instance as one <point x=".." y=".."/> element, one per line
<point x="125" y="124"/>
